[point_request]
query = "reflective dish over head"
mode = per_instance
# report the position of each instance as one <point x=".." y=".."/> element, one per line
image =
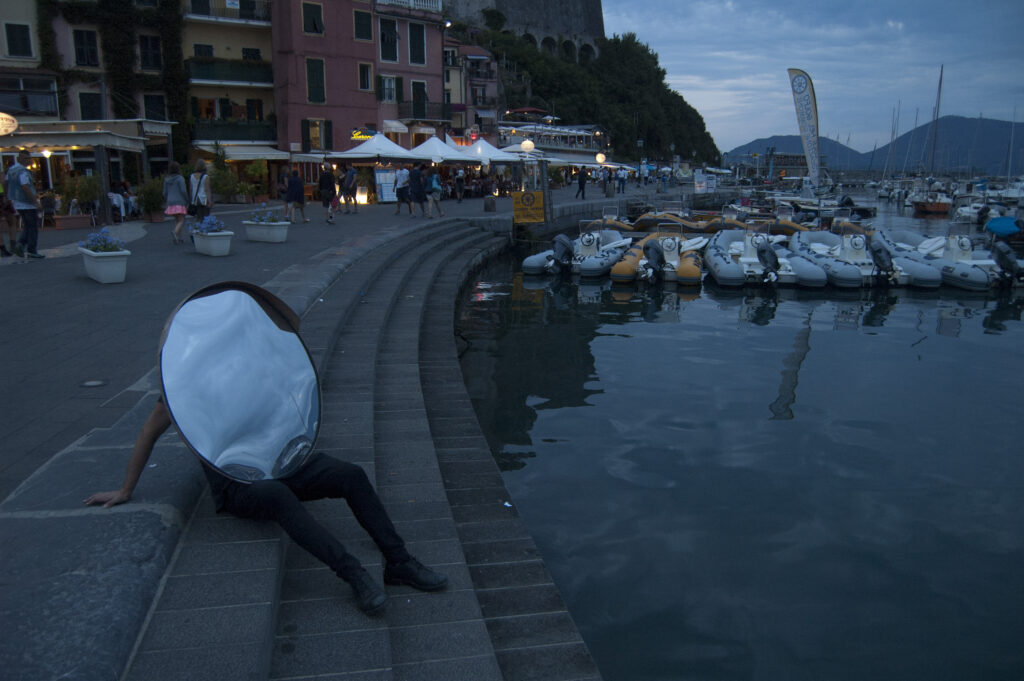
<point x="239" y="382"/>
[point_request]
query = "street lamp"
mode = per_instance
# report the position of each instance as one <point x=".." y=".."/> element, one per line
<point x="527" y="145"/>
<point x="600" y="158"/>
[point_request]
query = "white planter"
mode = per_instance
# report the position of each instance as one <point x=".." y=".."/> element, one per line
<point x="214" y="243"/>
<point x="273" y="232"/>
<point x="106" y="267"/>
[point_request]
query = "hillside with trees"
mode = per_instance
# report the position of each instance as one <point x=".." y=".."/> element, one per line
<point x="623" y="90"/>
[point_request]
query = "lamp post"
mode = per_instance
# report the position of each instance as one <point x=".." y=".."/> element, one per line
<point x="444" y="69"/>
<point x="527" y="146"/>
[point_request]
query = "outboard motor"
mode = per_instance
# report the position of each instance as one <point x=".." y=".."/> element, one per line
<point x="767" y="256"/>
<point x="562" y="251"/>
<point x="655" y="259"/>
<point x="882" y="260"/>
<point x="983" y="213"/>
<point x="1007" y="261"/>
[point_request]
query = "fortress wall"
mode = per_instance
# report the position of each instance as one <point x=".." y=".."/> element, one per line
<point x="577" y="21"/>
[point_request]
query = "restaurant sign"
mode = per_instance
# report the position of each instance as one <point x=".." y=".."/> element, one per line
<point x="8" y="124"/>
<point x="360" y="135"/>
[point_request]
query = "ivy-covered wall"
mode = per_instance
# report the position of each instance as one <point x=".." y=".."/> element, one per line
<point x="117" y="22"/>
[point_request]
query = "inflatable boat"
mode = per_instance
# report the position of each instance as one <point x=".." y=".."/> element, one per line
<point x="955" y="258"/>
<point x="736" y="257"/>
<point x="592" y="254"/>
<point x="855" y="260"/>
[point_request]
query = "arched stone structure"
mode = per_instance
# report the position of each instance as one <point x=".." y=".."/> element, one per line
<point x="528" y="37"/>
<point x="587" y="54"/>
<point x="549" y="46"/>
<point x="568" y="51"/>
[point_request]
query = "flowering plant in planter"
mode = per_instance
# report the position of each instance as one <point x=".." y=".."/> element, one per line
<point x="102" y="242"/>
<point x="266" y="215"/>
<point x="209" y="225"/>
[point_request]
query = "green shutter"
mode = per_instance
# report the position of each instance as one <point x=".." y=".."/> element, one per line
<point x="399" y="94"/>
<point x="328" y="136"/>
<point x="305" y="136"/>
<point x="195" y="107"/>
<point x="380" y="88"/>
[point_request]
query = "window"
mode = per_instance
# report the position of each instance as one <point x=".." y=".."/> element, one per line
<point x="386" y="90"/>
<point x="364" y="25"/>
<point x="87" y="53"/>
<point x="317" y="134"/>
<point x="388" y="40"/>
<point x="90" y="106"/>
<point x="254" y="109"/>
<point x="149" y="52"/>
<point x="155" y="107"/>
<point x="202" y="50"/>
<point x="19" y="41"/>
<point x="25" y="95"/>
<point x="417" y="44"/>
<point x="251" y="54"/>
<point x="365" y="77"/>
<point x="315" y="81"/>
<point x="312" y="18"/>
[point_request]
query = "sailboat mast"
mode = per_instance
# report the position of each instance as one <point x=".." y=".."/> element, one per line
<point x="935" y="122"/>
<point x="1009" y="156"/>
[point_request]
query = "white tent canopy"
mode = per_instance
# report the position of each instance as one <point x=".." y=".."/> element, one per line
<point x="535" y="155"/>
<point x="485" y="152"/>
<point x="439" y="152"/>
<point x="377" y="148"/>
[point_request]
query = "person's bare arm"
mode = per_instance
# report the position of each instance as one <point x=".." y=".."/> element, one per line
<point x="159" y="421"/>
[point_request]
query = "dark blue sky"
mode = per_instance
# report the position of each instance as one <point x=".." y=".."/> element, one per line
<point x="729" y="60"/>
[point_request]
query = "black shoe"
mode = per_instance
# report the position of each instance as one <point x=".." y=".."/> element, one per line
<point x="413" y="573"/>
<point x="16" y="249"/>
<point x="370" y="596"/>
<point x="4" y="253"/>
<point x="37" y="256"/>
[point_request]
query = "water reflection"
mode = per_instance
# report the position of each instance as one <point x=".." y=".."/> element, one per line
<point x="739" y="484"/>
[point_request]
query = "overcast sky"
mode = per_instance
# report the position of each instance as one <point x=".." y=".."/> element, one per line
<point x="728" y="59"/>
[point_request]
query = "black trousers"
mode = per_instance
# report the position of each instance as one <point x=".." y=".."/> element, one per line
<point x="323" y="477"/>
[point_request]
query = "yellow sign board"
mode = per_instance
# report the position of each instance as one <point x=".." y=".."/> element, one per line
<point x="360" y="135"/>
<point x="527" y="207"/>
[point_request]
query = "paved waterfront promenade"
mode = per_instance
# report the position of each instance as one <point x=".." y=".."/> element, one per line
<point x="163" y="588"/>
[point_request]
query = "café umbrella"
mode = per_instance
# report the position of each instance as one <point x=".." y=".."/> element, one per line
<point x="378" y="149"/>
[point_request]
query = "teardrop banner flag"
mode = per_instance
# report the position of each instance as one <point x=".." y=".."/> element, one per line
<point x="807" y="118"/>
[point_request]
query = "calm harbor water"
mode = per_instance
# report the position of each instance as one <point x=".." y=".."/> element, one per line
<point x="748" y="485"/>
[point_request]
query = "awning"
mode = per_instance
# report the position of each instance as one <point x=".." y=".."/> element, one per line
<point x="247" y="152"/>
<point x="394" y="126"/>
<point x="423" y="130"/>
<point x="486" y="113"/>
<point x="62" y="140"/>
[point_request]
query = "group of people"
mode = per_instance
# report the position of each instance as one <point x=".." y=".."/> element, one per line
<point x="292" y="189"/>
<point x="178" y="197"/>
<point x="422" y="185"/>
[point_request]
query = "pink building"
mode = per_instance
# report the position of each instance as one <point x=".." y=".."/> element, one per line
<point x="324" y="85"/>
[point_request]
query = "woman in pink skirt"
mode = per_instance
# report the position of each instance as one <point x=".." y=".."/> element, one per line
<point x="176" y="198"/>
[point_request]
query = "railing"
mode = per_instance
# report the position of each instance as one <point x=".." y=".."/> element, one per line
<point x="424" y="5"/>
<point x="425" y="111"/>
<point x="28" y="103"/>
<point x="234" y="71"/>
<point x="481" y="74"/>
<point x="485" y="101"/>
<point x="241" y="131"/>
<point x="257" y="10"/>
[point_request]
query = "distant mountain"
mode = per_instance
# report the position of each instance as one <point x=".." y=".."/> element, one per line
<point x="970" y="146"/>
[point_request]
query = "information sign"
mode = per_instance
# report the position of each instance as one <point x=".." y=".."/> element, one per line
<point x="527" y="207"/>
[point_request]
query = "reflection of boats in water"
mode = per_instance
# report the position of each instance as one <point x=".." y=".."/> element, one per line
<point x="736" y="257"/>
<point x="959" y="264"/>
<point x="591" y="254"/>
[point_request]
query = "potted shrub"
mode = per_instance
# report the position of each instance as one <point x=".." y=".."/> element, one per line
<point x="266" y="225"/>
<point x="257" y="172"/>
<point x="70" y="215"/>
<point x="105" y="257"/>
<point x="210" y="237"/>
<point x="224" y="184"/>
<point x="151" y="199"/>
<point x="246" y="189"/>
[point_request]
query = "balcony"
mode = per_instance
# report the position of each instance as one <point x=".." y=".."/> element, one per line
<point x="481" y="74"/>
<point x="247" y="10"/>
<point x="489" y="102"/>
<point x="422" y="5"/>
<point x="424" y="111"/>
<point x="22" y="103"/>
<point x="240" y="131"/>
<point x="231" y="71"/>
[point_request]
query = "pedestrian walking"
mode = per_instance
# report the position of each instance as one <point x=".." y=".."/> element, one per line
<point x="351" y="188"/>
<point x="19" y="187"/>
<point x="434" y="193"/>
<point x="402" y="190"/>
<point x="460" y="184"/>
<point x="581" y="179"/>
<point x="295" y="197"/>
<point x="175" y="199"/>
<point x="417" y="192"/>
<point x="328" y="190"/>
<point x="202" y="195"/>
<point x="9" y="216"/>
